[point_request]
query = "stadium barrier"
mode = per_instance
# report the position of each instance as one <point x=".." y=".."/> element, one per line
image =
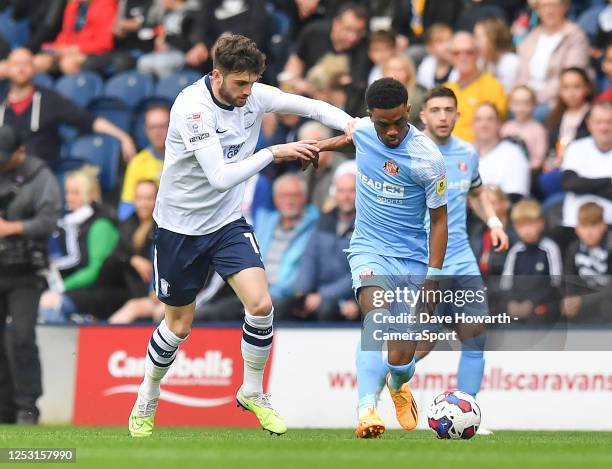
<point x="91" y="376"/>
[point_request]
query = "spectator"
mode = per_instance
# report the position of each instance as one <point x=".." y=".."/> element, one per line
<point x="304" y="12"/>
<point x="412" y="20"/>
<point x="86" y="237"/>
<point x="345" y="34"/>
<point x="282" y="235"/>
<point x="323" y="285"/>
<point x="126" y="274"/>
<point x="587" y="167"/>
<point x="172" y="40"/>
<point x="148" y="163"/>
<point x="380" y="49"/>
<point x="567" y="120"/>
<point x="533" y="268"/>
<point x="319" y="181"/>
<point x="133" y="35"/>
<point x="215" y="17"/>
<point x="329" y="78"/>
<point x="475" y="11"/>
<point x="502" y="163"/>
<point x="524" y="126"/>
<point x="29" y="208"/>
<point x="526" y="20"/>
<point x="37" y="113"/>
<point x="435" y="69"/>
<point x="402" y="69"/>
<point x="472" y="87"/>
<point x="46" y="16"/>
<point x="496" y="51"/>
<point x="554" y="45"/>
<point x="606" y="67"/>
<point x="87" y="30"/>
<point x="588" y="269"/>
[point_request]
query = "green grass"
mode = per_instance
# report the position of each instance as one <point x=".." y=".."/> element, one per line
<point x="183" y="448"/>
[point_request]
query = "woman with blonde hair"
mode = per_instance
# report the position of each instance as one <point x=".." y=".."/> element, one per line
<point x="84" y="239"/>
<point x="402" y="69"/>
<point x="494" y="42"/>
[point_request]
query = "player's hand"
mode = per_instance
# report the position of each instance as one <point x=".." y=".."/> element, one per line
<point x="348" y="130"/>
<point x="304" y="150"/>
<point x="500" y="239"/>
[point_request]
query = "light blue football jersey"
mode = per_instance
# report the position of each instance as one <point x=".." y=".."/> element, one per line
<point x="461" y="161"/>
<point x="395" y="187"/>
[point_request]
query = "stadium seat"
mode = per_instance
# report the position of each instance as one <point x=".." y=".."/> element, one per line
<point x="115" y="110"/>
<point x="15" y="33"/>
<point x="170" y="87"/>
<point x="102" y="151"/>
<point x="130" y="87"/>
<point x="81" y="88"/>
<point x="43" y="80"/>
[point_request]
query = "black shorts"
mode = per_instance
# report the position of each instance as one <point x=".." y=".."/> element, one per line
<point x="181" y="262"/>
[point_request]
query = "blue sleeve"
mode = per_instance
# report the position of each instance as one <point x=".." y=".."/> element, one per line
<point x="431" y="175"/>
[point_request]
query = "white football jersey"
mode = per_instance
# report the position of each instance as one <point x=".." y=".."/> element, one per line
<point x="186" y="202"/>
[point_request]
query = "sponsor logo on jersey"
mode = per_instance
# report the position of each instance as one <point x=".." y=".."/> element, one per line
<point x="391" y="167"/>
<point x="197" y="138"/>
<point x="232" y="150"/>
<point x="462" y="185"/>
<point x="164" y="287"/>
<point x="463" y="167"/>
<point x="441" y="186"/>
<point x="388" y="189"/>
<point x="249" y="119"/>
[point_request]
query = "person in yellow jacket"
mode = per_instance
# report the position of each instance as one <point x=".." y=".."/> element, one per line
<point x="472" y="87"/>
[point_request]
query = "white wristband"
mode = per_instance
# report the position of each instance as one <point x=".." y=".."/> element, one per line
<point x="494" y="222"/>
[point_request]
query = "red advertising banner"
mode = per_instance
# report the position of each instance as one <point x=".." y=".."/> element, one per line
<point x="199" y="389"/>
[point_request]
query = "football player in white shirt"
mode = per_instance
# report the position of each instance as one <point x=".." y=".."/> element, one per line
<point x="214" y="127"/>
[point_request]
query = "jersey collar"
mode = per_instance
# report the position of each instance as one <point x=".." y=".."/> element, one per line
<point x="212" y="95"/>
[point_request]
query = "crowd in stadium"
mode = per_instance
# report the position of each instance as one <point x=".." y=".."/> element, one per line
<point x="87" y="86"/>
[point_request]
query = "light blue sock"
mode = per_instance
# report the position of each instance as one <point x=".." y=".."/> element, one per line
<point x="400" y="374"/>
<point x="371" y="370"/>
<point x="471" y="366"/>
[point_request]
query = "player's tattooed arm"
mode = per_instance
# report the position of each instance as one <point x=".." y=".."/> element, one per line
<point x="481" y="204"/>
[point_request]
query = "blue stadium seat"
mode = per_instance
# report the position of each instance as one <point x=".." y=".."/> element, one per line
<point x="115" y="110"/>
<point x="44" y="80"/>
<point x="81" y="88"/>
<point x="170" y="87"/>
<point x="102" y="151"/>
<point x="130" y="87"/>
<point x="15" y="33"/>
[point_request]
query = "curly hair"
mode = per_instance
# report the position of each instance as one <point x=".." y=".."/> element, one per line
<point x="386" y="93"/>
<point x="236" y="53"/>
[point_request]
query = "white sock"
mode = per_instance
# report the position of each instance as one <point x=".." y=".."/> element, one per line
<point x="161" y="352"/>
<point x="257" y="333"/>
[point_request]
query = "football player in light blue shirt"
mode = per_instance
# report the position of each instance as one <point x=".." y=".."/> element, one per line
<point x="460" y="268"/>
<point x="401" y="179"/>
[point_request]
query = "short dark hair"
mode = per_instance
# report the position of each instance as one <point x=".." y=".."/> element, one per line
<point x="386" y="93"/>
<point x="383" y="35"/>
<point x="440" y="92"/>
<point x="358" y="10"/>
<point x="236" y="53"/>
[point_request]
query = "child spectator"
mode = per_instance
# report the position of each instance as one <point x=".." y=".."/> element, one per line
<point x="496" y="51"/>
<point x="402" y="69"/>
<point x="435" y="68"/>
<point x="380" y="49"/>
<point x="533" y="268"/>
<point x="523" y="125"/>
<point x="606" y="68"/>
<point x="567" y="120"/>
<point x="588" y="269"/>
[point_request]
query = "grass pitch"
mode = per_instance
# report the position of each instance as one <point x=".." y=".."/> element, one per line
<point x="183" y="448"/>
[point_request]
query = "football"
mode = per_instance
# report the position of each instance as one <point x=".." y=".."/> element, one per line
<point x="454" y="415"/>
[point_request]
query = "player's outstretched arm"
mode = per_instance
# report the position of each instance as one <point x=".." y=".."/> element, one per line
<point x="481" y="204"/>
<point x="224" y="176"/>
<point x="438" y="237"/>
<point x="330" y="144"/>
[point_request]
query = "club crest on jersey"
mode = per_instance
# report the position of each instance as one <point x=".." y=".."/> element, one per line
<point x="463" y="167"/>
<point x="441" y="186"/>
<point x="391" y="168"/>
